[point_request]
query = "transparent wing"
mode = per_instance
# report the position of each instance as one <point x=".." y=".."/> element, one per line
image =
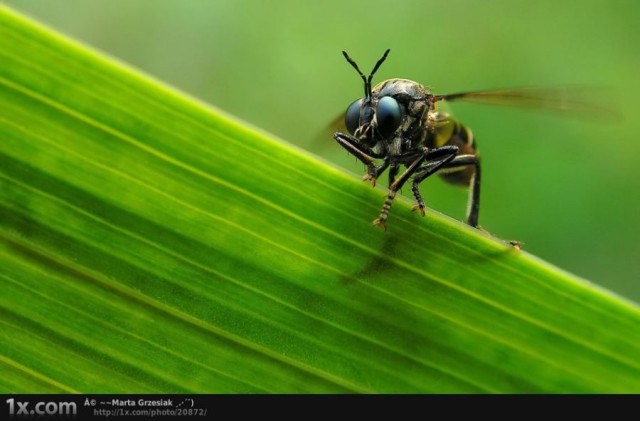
<point x="587" y="101"/>
<point x="324" y="138"/>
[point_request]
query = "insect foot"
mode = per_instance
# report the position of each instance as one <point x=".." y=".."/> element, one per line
<point x="420" y="208"/>
<point x="380" y="222"/>
<point x="370" y="177"/>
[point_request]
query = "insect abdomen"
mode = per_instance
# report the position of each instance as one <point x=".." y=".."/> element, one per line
<point x="450" y="132"/>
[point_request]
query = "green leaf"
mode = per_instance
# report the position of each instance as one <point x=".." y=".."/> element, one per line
<point x="149" y="243"/>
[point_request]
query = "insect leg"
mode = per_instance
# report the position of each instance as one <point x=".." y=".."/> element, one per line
<point x="473" y="208"/>
<point x="420" y="206"/>
<point x="379" y="170"/>
<point x="393" y="172"/>
<point x="447" y="153"/>
<point x="363" y="153"/>
<point x="449" y="156"/>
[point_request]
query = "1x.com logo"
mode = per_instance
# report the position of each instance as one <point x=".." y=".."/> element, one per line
<point x="17" y="408"/>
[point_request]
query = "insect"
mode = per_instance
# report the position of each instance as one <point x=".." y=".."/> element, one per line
<point x="397" y="122"/>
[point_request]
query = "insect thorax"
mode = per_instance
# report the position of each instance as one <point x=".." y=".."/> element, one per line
<point x="417" y="103"/>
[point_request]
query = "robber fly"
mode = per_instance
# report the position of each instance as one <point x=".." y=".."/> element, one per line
<point x="398" y="123"/>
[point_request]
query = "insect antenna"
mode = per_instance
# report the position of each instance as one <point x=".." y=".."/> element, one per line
<point x="366" y="80"/>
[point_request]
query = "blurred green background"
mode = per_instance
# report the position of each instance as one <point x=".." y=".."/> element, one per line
<point x="566" y="187"/>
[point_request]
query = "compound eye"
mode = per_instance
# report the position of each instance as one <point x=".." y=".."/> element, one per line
<point x="352" y="117"/>
<point x="388" y="115"/>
